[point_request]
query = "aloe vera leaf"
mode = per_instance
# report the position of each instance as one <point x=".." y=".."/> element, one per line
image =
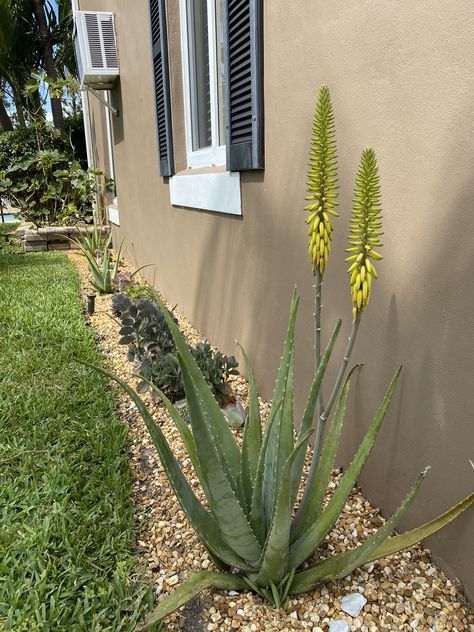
<point x="312" y="509"/>
<point x="308" y="414"/>
<point x="252" y="439"/>
<point x="184" y="431"/>
<point x="405" y="540"/>
<point x="202" y="521"/>
<point x="223" y="501"/>
<point x="188" y="590"/>
<point x="229" y="452"/>
<point x="280" y="434"/>
<point x="303" y="547"/>
<point x="274" y="564"/>
<point x="307" y="580"/>
<point x="280" y="446"/>
<point x="256" y="512"/>
<point x="361" y="554"/>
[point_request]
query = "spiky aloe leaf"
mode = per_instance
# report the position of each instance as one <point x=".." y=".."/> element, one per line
<point x="229" y="453"/>
<point x="280" y="441"/>
<point x="252" y="439"/>
<point x="256" y="512"/>
<point x="365" y="231"/>
<point x="182" y="426"/>
<point x="322" y="182"/>
<point x="203" y="523"/>
<point x="223" y="501"/>
<point x="274" y="563"/>
<point x="190" y="589"/>
<point x="308" y="579"/>
<point x="310" y="513"/>
<point x="312" y="537"/>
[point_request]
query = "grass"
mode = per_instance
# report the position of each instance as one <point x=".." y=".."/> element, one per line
<point x="66" y="537"/>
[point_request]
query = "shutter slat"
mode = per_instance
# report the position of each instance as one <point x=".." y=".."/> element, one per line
<point x="159" y="45"/>
<point x="243" y="37"/>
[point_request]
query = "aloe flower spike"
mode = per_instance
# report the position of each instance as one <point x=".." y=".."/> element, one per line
<point x="322" y="195"/>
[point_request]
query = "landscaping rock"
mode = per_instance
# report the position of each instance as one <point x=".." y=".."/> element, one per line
<point x="339" y="626"/>
<point x="353" y="604"/>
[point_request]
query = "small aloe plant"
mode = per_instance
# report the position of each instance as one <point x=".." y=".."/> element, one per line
<point x="254" y="529"/>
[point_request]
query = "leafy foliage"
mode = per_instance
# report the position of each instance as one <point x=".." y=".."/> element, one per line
<point x="48" y="188"/>
<point x="25" y="141"/>
<point x="151" y="345"/>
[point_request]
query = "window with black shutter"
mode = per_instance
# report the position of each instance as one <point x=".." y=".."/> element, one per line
<point x="159" y="43"/>
<point x="244" y="84"/>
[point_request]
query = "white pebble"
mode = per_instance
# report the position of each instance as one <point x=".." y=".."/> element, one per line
<point x="338" y="626"/>
<point x="353" y="604"/>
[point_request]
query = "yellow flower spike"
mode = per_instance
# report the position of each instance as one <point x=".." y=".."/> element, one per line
<point x="322" y="178"/>
<point x="364" y="231"/>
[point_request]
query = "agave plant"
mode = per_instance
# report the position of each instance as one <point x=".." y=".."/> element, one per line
<point x="248" y="528"/>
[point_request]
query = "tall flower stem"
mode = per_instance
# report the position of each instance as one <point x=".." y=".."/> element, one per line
<point x="317" y="334"/>
<point x="323" y="417"/>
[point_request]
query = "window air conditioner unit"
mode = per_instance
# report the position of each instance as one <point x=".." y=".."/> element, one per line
<point x="96" y="49"/>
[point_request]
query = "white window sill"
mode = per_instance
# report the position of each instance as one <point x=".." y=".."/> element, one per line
<point x="113" y="214"/>
<point x="218" y="191"/>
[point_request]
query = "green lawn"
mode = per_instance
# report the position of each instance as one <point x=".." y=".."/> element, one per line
<point x="66" y="537"/>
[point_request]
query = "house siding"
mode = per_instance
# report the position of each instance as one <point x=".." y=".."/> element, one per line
<point x="401" y="84"/>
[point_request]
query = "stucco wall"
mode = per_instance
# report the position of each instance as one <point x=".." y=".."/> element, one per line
<point x="401" y="83"/>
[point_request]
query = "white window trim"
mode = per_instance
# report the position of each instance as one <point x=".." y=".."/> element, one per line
<point x="208" y="191"/>
<point x="215" y="155"/>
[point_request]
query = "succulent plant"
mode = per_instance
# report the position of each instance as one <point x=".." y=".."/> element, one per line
<point x="145" y="330"/>
<point x="247" y="524"/>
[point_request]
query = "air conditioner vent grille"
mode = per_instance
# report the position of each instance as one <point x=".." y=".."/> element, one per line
<point x="96" y="48"/>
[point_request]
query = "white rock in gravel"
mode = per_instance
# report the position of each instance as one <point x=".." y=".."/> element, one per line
<point x="353" y="604"/>
<point x="339" y="626"/>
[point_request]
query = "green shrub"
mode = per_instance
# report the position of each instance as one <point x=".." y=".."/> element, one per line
<point x="25" y="141"/>
<point x="40" y="176"/>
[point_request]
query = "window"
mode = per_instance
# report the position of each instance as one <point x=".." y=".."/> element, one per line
<point x="202" y="38"/>
<point x="222" y="53"/>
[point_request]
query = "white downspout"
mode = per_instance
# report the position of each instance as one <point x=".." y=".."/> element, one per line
<point x="85" y="111"/>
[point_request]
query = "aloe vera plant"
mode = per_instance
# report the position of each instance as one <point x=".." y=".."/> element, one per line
<point x="251" y="492"/>
<point x="254" y="528"/>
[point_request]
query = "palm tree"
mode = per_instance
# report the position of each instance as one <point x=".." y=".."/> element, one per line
<point x="18" y="51"/>
<point x="6" y="124"/>
<point x="48" y="58"/>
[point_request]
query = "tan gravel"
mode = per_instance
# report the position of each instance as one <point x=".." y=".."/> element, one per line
<point x="405" y="592"/>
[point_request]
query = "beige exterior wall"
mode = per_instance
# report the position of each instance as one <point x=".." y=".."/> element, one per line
<point x="401" y="82"/>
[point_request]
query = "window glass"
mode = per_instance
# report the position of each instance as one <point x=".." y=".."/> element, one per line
<point x="198" y="46"/>
<point x="220" y="68"/>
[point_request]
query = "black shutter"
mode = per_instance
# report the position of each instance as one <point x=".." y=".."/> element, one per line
<point x="161" y="80"/>
<point x="244" y="83"/>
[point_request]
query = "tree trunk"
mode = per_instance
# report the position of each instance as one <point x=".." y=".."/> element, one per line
<point x="37" y="111"/>
<point x="50" y="66"/>
<point x="19" y="106"/>
<point x="5" y="122"/>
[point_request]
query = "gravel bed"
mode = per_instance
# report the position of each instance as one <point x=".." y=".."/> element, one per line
<point x="405" y="592"/>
